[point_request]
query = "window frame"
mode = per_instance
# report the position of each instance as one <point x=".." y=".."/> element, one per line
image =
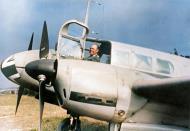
<point x="170" y="68"/>
<point x="136" y="57"/>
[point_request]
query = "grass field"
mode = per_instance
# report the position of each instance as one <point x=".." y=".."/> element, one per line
<point x="28" y="114"/>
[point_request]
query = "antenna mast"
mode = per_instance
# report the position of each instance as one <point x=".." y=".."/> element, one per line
<point x="86" y="15"/>
<point x="83" y="40"/>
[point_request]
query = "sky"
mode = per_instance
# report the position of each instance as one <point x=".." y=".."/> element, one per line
<point x="157" y="24"/>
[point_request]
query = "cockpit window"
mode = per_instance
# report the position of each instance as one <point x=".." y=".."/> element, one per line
<point x="105" y="59"/>
<point x="164" y="66"/>
<point x="120" y="58"/>
<point x="72" y="48"/>
<point x="143" y="62"/>
<point x="69" y="49"/>
<point x="104" y="52"/>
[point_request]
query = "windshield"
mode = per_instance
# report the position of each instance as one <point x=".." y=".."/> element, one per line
<point x="69" y="49"/>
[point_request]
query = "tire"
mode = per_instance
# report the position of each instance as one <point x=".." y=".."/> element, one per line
<point x="76" y="125"/>
<point x="64" y="125"/>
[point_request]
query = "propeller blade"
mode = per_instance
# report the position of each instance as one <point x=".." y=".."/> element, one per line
<point x="56" y="44"/>
<point x="20" y="92"/>
<point x="31" y="42"/>
<point x="41" y="100"/>
<point x="44" y="46"/>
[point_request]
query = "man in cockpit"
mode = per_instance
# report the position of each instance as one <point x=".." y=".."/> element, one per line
<point x="94" y="50"/>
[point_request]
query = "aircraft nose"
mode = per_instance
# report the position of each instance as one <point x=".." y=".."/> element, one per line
<point x="8" y="68"/>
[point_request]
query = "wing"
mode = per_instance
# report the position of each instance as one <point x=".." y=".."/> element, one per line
<point x="169" y="90"/>
<point x="168" y="101"/>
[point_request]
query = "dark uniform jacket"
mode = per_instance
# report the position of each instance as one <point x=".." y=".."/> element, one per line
<point x="93" y="58"/>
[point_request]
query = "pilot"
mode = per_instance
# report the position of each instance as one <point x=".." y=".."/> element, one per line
<point x="94" y="50"/>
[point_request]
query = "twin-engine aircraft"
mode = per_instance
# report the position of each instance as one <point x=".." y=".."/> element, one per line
<point x="132" y="88"/>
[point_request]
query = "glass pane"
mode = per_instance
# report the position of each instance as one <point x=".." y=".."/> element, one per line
<point x="69" y="49"/>
<point x="105" y="59"/>
<point x="120" y="58"/>
<point x="75" y="30"/>
<point x="143" y="62"/>
<point x="164" y="66"/>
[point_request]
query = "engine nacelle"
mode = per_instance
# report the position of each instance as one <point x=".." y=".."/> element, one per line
<point x="92" y="89"/>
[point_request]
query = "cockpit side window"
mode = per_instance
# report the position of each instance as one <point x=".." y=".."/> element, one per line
<point x="105" y="52"/>
<point x="104" y="49"/>
<point x="105" y="59"/>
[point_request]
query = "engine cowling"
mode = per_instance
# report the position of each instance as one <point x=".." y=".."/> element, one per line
<point x="92" y="89"/>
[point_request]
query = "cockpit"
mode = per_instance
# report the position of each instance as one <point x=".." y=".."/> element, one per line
<point x="77" y="47"/>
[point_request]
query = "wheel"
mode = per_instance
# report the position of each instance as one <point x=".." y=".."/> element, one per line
<point x="76" y="125"/>
<point x="114" y="126"/>
<point x="67" y="125"/>
<point x="64" y="125"/>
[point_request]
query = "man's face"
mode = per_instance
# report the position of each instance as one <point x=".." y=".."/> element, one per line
<point x="93" y="50"/>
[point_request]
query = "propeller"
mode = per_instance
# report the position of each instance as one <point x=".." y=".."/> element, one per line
<point x="21" y="88"/>
<point x="42" y="82"/>
<point x="43" y="70"/>
<point x="44" y="46"/>
<point x="31" y="42"/>
<point x="44" y="50"/>
<point x="20" y="92"/>
<point x="56" y="44"/>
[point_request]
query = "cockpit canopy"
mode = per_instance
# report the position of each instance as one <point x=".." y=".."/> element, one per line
<point x="77" y="47"/>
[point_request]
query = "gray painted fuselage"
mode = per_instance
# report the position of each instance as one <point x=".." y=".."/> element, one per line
<point x="103" y="91"/>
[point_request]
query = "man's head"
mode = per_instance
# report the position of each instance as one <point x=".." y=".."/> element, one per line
<point x="94" y="50"/>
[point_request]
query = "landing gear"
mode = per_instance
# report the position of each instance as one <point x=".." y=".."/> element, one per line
<point x="114" y="126"/>
<point x="70" y="124"/>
